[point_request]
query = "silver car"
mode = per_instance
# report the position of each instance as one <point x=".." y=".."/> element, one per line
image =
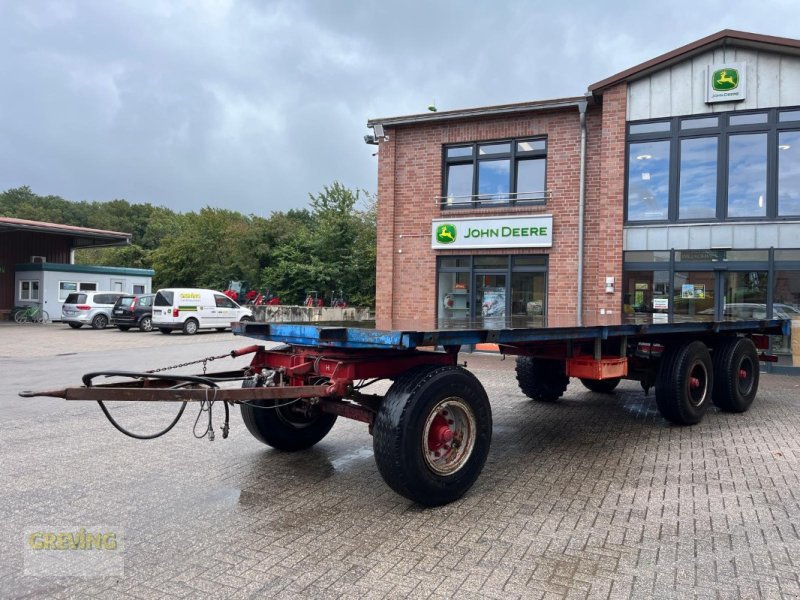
<point x="89" y="308"/>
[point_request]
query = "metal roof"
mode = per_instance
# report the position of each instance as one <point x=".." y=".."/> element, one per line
<point x="83" y="236"/>
<point x="483" y="111"/>
<point x="94" y="269"/>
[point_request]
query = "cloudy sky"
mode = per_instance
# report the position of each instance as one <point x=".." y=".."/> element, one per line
<point x="252" y="104"/>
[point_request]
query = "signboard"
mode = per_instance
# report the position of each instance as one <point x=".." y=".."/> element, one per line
<point x="493" y="232"/>
<point x="660" y="303"/>
<point x="726" y="83"/>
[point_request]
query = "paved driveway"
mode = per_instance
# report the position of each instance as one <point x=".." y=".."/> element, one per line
<point x="593" y="497"/>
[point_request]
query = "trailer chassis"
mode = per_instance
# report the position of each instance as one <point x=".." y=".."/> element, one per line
<point x="432" y="429"/>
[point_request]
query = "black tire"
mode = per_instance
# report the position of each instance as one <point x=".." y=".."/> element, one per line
<point x="417" y="406"/>
<point x="100" y="321"/>
<point x="146" y="323"/>
<point x="283" y="429"/>
<point x="190" y="326"/>
<point x="165" y="330"/>
<point x="601" y="386"/>
<point x="123" y="327"/>
<point x="246" y="319"/>
<point x="736" y="375"/>
<point x="684" y="383"/>
<point x="75" y="325"/>
<point x="542" y="379"/>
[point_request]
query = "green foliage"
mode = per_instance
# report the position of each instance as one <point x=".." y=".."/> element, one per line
<point x="330" y="246"/>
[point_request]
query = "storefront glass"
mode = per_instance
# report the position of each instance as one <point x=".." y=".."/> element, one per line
<point x="646" y="292"/>
<point x="786" y="305"/>
<point x="527" y="298"/>
<point x="693" y="294"/>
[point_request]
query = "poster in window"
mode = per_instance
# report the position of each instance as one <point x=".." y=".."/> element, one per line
<point x="494" y="302"/>
<point x="700" y="291"/>
<point x="687" y="290"/>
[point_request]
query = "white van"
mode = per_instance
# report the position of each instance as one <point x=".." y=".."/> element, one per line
<point x="192" y="309"/>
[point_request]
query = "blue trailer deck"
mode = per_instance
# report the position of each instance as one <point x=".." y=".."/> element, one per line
<point x="410" y="335"/>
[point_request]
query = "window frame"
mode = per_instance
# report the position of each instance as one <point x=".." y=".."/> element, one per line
<point x="514" y="156"/>
<point x="723" y="132"/>
<point x="30" y="294"/>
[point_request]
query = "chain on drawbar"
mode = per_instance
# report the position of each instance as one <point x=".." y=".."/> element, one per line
<point x="205" y="362"/>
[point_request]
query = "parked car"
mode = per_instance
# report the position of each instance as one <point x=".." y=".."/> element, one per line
<point x="192" y="309"/>
<point x="133" y="311"/>
<point x="89" y="308"/>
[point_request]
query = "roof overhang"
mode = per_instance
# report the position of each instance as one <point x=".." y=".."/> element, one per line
<point x="81" y="237"/>
<point x="481" y="112"/>
<point x="741" y="39"/>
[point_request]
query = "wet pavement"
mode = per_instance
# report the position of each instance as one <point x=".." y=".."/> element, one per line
<point x="592" y="497"/>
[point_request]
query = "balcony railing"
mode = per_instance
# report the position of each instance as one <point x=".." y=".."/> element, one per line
<point x="531" y="198"/>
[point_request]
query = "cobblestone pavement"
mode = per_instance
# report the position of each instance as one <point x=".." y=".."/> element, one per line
<point x="592" y="497"/>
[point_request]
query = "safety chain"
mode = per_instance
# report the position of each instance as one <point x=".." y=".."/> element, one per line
<point x="205" y="362"/>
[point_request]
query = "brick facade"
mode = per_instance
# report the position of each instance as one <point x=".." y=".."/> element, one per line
<point x="410" y="179"/>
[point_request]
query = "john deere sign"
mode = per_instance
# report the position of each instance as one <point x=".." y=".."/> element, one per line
<point x="726" y="82"/>
<point x="493" y="232"/>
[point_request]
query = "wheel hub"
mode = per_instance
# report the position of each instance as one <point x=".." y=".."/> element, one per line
<point x="449" y="436"/>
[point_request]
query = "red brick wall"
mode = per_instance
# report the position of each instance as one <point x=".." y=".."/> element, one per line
<point x="409" y="180"/>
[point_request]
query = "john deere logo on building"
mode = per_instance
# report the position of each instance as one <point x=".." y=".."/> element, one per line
<point x="725" y="79"/>
<point x="446" y="233"/>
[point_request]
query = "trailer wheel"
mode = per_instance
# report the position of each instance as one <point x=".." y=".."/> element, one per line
<point x="736" y="375"/>
<point x="432" y="434"/>
<point x="601" y="386"/>
<point x="684" y="383"/>
<point x="282" y="428"/>
<point x="541" y="379"/>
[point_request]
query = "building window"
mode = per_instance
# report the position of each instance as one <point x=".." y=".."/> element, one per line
<point x="501" y="288"/>
<point x="87" y="287"/>
<point x="731" y="166"/>
<point x="138" y="289"/>
<point x="29" y="290"/>
<point x="65" y="288"/>
<point x="495" y="173"/>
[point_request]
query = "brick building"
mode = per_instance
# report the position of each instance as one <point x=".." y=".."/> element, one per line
<point x="684" y="172"/>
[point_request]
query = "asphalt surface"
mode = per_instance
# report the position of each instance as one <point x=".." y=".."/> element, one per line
<point x="595" y="496"/>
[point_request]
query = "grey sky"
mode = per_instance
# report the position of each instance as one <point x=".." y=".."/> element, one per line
<point x="250" y="105"/>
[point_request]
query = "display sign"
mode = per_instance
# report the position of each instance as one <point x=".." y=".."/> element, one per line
<point x="726" y="83"/>
<point x="493" y="232"/>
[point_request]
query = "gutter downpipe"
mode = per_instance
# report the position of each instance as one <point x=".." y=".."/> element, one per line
<point x="581" y="206"/>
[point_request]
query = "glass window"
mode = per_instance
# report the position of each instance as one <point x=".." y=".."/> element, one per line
<point x="787" y="255"/>
<point x="87" y="287"/>
<point x="789" y="173"/>
<point x="494" y="148"/>
<point x="745" y="294"/>
<point x="65" y="288"/>
<point x="694" y="294"/>
<point x="494" y="179"/>
<point x="697" y="197"/>
<point x="697" y="255"/>
<point x="454" y="261"/>
<point x="789" y="115"/>
<point x="751" y="119"/>
<point x="659" y="126"/>
<point x="459" y="183"/>
<point x="482" y="262"/>
<point x="530" y="179"/>
<point x="459" y="151"/>
<point x="530" y="261"/>
<point x="530" y="145"/>
<point x="747" y="175"/>
<point x="786" y="305"/>
<point x="138" y="289"/>
<point x="29" y="290"/>
<point x="453" y="295"/>
<point x="223" y="301"/>
<point x="648" y="181"/>
<point x="745" y="255"/>
<point x="700" y="123"/>
<point x="527" y="298"/>
<point x="646" y="256"/>
<point x="645" y="292"/>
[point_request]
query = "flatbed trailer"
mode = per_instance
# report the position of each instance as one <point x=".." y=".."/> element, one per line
<point x="432" y="429"/>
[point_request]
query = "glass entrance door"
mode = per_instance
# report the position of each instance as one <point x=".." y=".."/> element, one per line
<point x="744" y="294"/>
<point x="528" y="296"/>
<point x="490" y="297"/>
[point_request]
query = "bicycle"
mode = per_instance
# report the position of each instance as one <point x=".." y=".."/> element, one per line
<point x="32" y="314"/>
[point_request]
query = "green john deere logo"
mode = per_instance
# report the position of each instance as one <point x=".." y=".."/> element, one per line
<point x="725" y="79"/>
<point x="446" y="233"/>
